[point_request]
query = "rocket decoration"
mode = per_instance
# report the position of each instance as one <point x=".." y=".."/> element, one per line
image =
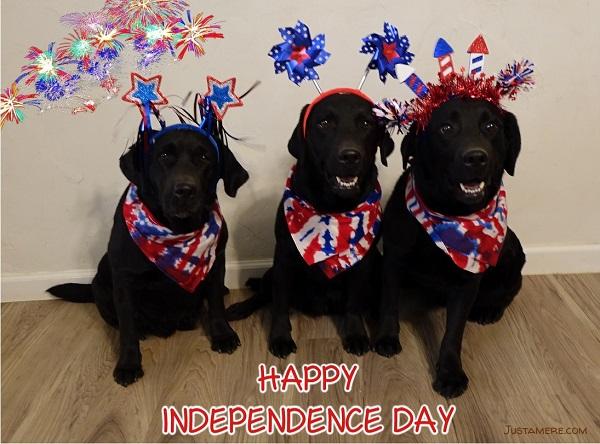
<point x="443" y="52"/>
<point x="299" y="54"/>
<point x="515" y="78"/>
<point x="87" y="67"/>
<point x="477" y="51"/>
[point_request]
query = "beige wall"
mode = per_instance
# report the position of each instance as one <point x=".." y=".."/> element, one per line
<point x="60" y="178"/>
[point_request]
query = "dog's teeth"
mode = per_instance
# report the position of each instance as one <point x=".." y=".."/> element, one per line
<point x="346" y="182"/>
<point x="472" y="189"/>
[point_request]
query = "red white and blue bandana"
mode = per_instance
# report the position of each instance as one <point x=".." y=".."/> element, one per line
<point x="185" y="258"/>
<point x="473" y="242"/>
<point x="335" y="241"/>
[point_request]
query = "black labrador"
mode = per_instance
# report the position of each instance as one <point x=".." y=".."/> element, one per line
<point x="176" y="181"/>
<point x="335" y="147"/>
<point x="457" y="163"/>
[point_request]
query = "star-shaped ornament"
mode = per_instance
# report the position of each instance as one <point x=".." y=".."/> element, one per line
<point x="222" y="95"/>
<point x="145" y="92"/>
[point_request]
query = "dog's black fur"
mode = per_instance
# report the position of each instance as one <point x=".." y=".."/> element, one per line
<point x="465" y="141"/>
<point x="176" y="181"/>
<point x="342" y="139"/>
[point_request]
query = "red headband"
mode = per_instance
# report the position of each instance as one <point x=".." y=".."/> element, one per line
<point x="328" y="93"/>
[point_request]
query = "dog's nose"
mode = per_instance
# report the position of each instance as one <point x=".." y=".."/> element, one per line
<point x="184" y="190"/>
<point x="350" y="156"/>
<point x="475" y="157"/>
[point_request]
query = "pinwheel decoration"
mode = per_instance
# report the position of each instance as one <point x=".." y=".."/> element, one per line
<point x="299" y="54"/>
<point x="145" y="94"/>
<point x="11" y="104"/>
<point x="221" y="95"/>
<point x="388" y="51"/>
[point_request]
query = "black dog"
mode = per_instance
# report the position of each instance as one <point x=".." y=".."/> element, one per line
<point x="457" y="163"/>
<point x="176" y="181"/>
<point x="335" y="150"/>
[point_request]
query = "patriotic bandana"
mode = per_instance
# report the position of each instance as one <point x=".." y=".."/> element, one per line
<point x="185" y="258"/>
<point x="335" y="241"/>
<point x="473" y="242"/>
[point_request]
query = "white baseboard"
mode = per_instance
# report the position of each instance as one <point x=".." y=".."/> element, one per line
<point x="32" y="286"/>
<point x="540" y="260"/>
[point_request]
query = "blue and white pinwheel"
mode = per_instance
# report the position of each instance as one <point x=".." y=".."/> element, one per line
<point x="299" y="54"/>
<point x="388" y="51"/>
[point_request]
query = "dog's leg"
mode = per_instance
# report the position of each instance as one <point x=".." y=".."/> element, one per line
<point x="354" y="335"/>
<point x="281" y="343"/>
<point x="387" y="340"/>
<point x="129" y="366"/>
<point x="451" y="380"/>
<point x="223" y="338"/>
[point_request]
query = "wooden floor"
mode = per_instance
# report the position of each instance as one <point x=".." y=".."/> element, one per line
<point x="538" y="367"/>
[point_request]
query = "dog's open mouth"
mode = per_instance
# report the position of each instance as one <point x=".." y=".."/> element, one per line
<point x="346" y="182"/>
<point x="473" y="189"/>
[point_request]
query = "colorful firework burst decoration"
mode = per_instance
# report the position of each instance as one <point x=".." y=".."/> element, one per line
<point x="12" y="104"/>
<point x="85" y="68"/>
<point x="193" y="32"/>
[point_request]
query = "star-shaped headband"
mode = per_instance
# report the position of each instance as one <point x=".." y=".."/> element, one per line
<point x="221" y="95"/>
<point x="474" y="84"/>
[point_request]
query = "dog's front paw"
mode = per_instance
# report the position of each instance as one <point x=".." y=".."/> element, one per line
<point x="282" y="346"/>
<point x="127" y="375"/>
<point x="486" y="315"/>
<point x="450" y="382"/>
<point x="223" y="338"/>
<point x="356" y="344"/>
<point x="388" y="345"/>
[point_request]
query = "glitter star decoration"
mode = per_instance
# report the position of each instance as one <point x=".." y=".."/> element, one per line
<point x="222" y="95"/>
<point x="12" y="104"/>
<point x="194" y="32"/>
<point x="145" y="93"/>
<point x="388" y="51"/>
<point x="299" y="53"/>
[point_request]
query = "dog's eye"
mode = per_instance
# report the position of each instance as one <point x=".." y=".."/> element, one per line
<point x="490" y="127"/>
<point x="365" y="124"/>
<point x="445" y="129"/>
<point x="323" y="124"/>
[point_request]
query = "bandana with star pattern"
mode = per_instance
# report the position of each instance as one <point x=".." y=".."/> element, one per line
<point x="335" y="241"/>
<point x="185" y="258"/>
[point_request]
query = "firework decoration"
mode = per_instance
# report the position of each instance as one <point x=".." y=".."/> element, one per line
<point x="299" y="54"/>
<point x="194" y="32"/>
<point x="85" y="68"/>
<point x="477" y="52"/>
<point x="474" y="84"/>
<point x="12" y="104"/>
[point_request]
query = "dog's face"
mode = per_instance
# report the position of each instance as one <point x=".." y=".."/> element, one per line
<point x="339" y="142"/>
<point x="460" y="157"/>
<point x="179" y="178"/>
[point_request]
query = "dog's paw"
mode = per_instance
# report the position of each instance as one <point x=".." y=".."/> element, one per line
<point x="387" y="346"/>
<point x="486" y="315"/>
<point x="226" y="343"/>
<point x="282" y="346"/>
<point x="450" y="383"/>
<point x="127" y="375"/>
<point x="356" y="344"/>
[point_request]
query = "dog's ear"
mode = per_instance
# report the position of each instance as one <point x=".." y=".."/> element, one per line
<point x="512" y="136"/>
<point x="386" y="147"/>
<point x="233" y="174"/>
<point x="408" y="148"/>
<point x="297" y="142"/>
<point x="130" y="164"/>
